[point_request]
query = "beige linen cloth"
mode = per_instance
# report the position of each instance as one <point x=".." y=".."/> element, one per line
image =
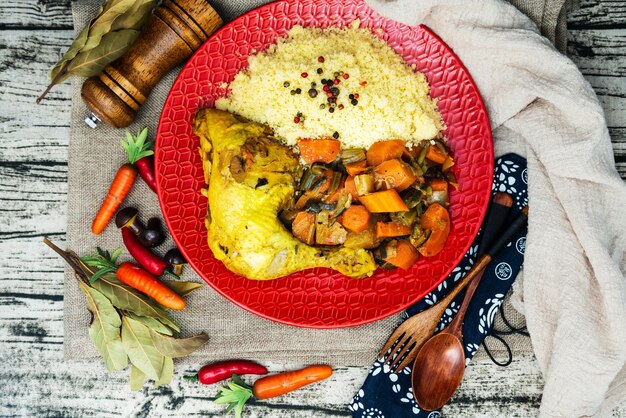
<point x="573" y="292"/>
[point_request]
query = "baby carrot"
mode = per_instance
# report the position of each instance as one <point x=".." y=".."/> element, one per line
<point x="139" y="279"/>
<point x="120" y="186"/>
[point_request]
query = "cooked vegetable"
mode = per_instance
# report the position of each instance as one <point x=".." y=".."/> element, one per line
<point x="303" y="227"/>
<point x="350" y="188"/>
<point x="394" y="174"/>
<point x="384" y="201"/>
<point x="440" y="192"/>
<point x="447" y="164"/>
<point x="141" y="155"/>
<point x="139" y="279"/>
<point x="406" y="255"/>
<point x="364" y="184"/>
<point x="385" y="150"/>
<point x="148" y="260"/>
<point x="318" y="150"/>
<point x="436" y="154"/>
<point x="437" y="220"/>
<point x="120" y="186"/>
<point x="365" y="239"/>
<point x="392" y="229"/>
<point x="419" y="236"/>
<point x="352" y="155"/>
<point x="407" y="218"/>
<point x="238" y="393"/>
<point x="176" y="260"/>
<point x="327" y="233"/>
<point x="356" y="218"/>
<point x="222" y="370"/>
<point x="355" y="169"/>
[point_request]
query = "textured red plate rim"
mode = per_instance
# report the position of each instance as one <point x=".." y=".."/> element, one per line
<point x="327" y="293"/>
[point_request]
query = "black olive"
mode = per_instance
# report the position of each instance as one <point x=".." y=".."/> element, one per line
<point x="127" y="218"/>
<point x="175" y="259"/>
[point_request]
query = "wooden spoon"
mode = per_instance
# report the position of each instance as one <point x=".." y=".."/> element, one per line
<point x="439" y="366"/>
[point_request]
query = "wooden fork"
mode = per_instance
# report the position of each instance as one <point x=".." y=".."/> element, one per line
<point x="403" y="345"/>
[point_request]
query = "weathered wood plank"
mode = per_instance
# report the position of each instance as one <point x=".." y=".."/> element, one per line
<point x="598" y="14"/>
<point x="36" y="14"/>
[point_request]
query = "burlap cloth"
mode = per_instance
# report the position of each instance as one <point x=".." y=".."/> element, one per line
<point x="95" y="155"/>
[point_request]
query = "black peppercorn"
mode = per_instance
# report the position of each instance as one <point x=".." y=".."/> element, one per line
<point x="351" y="96"/>
<point x="286" y="84"/>
<point x="312" y="93"/>
<point x="336" y="135"/>
<point x="320" y="71"/>
<point x="331" y="110"/>
<point x="334" y="91"/>
<point x="298" y="90"/>
<point x="354" y="102"/>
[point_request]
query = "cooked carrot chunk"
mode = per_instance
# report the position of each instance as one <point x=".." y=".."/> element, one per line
<point x="318" y="150"/>
<point x="384" y="201"/>
<point x="356" y="218"/>
<point x="394" y="174"/>
<point x="392" y="229"/>
<point x="385" y="150"/>
<point x="406" y="255"/>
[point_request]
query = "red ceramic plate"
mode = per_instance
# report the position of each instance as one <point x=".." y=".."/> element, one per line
<point x="320" y="298"/>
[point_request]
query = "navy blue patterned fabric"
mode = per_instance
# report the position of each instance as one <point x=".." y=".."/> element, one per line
<point x="389" y="395"/>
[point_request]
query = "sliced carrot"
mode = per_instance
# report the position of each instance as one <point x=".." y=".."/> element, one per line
<point x="406" y="255"/>
<point x="394" y="174"/>
<point x="384" y="201"/>
<point x="439" y="185"/>
<point x="436" y="155"/>
<point x="356" y="218"/>
<point x="303" y="227"/>
<point x="355" y="169"/>
<point x="318" y="150"/>
<point x="437" y="220"/>
<point x="325" y="185"/>
<point x="447" y="164"/>
<point x="392" y="229"/>
<point x="385" y="150"/>
<point x="334" y="197"/>
<point x="350" y="187"/>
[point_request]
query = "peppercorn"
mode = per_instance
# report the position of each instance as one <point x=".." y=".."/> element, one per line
<point x="298" y="90"/>
<point x="329" y="94"/>
<point x="350" y="96"/>
<point x="336" y="74"/>
<point x="363" y="83"/>
<point x="314" y="84"/>
<point x="354" y="102"/>
<point x="322" y="106"/>
<point x="336" y="135"/>
<point x="293" y="92"/>
<point x="304" y="75"/>
<point x="320" y="71"/>
<point x="356" y="95"/>
<point x="320" y="59"/>
<point x="340" y="106"/>
<point x="296" y="120"/>
<point x="299" y="114"/>
<point x="286" y="84"/>
<point x="312" y="93"/>
<point x="326" y="88"/>
<point x="331" y="110"/>
<point x="334" y="91"/>
<point x="336" y="81"/>
<point x="346" y="76"/>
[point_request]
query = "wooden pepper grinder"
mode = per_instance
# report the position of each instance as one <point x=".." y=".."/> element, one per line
<point x="175" y="30"/>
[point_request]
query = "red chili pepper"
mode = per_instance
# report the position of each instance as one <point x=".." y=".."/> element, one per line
<point x="145" y="166"/>
<point x="148" y="260"/>
<point x="222" y="370"/>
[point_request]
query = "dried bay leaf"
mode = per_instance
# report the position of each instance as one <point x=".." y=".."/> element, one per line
<point x="167" y="372"/>
<point x="152" y="323"/>
<point x="106" y="37"/>
<point x="140" y="348"/>
<point x="105" y="329"/>
<point x="182" y="288"/>
<point x="178" y="347"/>
<point x="126" y="298"/>
<point x="136" y="16"/>
<point x="137" y="378"/>
<point x="111" y="47"/>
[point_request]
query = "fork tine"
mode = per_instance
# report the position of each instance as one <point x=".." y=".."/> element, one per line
<point x="391" y="343"/>
<point x="406" y="350"/>
<point x="408" y="359"/>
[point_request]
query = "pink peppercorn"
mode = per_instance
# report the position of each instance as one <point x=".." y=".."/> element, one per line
<point x="346" y="76"/>
<point x="296" y="120"/>
<point x="336" y="81"/>
<point x="304" y="75"/>
<point x="320" y="59"/>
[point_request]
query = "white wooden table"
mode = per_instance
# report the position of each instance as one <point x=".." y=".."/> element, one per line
<point x="34" y="378"/>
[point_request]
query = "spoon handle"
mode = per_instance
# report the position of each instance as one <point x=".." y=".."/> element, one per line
<point x="455" y="326"/>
